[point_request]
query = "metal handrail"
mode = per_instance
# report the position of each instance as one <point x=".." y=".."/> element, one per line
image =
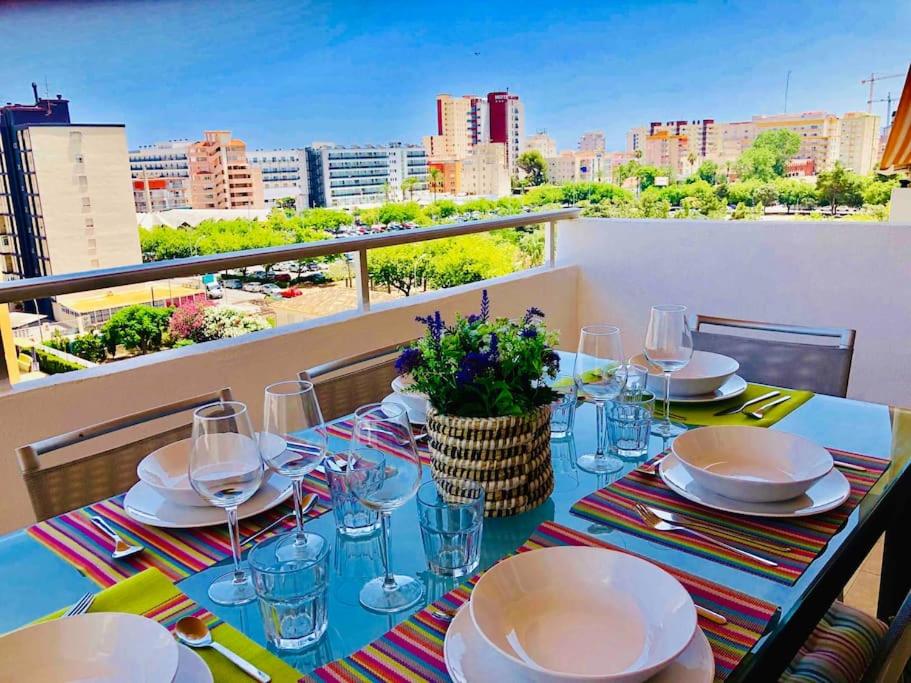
<point x="52" y="285"/>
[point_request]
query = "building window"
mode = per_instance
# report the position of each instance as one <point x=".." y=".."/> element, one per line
<point x="86" y="203"/>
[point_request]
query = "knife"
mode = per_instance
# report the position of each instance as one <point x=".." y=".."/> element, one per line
<point x="737" y="409"/>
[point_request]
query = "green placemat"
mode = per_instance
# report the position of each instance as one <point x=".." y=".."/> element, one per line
<point x="702" y="414"/>
<point x="152" y="595"/>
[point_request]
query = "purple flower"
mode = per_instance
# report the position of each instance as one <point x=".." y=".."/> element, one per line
<point x="531" y="314"/>
<point x="473" y="318"/>
<point x="435" y="325"/>
<point x="408" y="360"/>
<point x="471" y="366"/>
<point x="493" y="353"/>
<point x="529" y="333"/>
<point x="485" y="306"/>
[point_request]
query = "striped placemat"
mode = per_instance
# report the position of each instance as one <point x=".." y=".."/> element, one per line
<point x="614" y="505"/>
<point x="344" y="429"/>
<point x="177" y="553"/>
<point x="413" y="650"/>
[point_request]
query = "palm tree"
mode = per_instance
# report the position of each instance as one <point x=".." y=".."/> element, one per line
<point x="435" y="180"/>
<point x="691" y="157"/>
<point x="408" y="185"/>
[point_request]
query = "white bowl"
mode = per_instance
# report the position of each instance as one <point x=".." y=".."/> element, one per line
<point x="751" y="464"/>
<point x="582" y="614"/>
<point x="167" y="471"/>
<point x="415" y="402"/>
<point x="705" y="372"/>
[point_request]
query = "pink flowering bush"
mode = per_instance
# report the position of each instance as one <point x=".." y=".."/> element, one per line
<point x="189" y="321"/>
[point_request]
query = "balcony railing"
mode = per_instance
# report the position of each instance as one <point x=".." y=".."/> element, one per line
<point x="357" y="246"/>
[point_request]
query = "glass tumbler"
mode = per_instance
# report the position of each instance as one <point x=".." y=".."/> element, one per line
<point x="563" y="410"/>
<point x="351" y="517"/>
<point x="291" y="593"/>
<point x="451" y="525"/>
<point x="629" y="424"/>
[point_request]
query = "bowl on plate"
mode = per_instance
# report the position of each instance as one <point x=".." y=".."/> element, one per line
<point x="166" y="470"/>
<point x="705" y="373"/>
<point x="414" y="401"/>
<point x="581" y="614"/>
<point x="751" y="464"/>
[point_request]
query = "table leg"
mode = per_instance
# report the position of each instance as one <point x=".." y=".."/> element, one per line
<point x="895" y="578"/>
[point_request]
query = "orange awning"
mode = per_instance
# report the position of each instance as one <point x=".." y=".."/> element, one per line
<point x="897" y="153"/>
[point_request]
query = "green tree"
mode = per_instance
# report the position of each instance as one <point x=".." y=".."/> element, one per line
<point x="742" y="192"/>
<point x="402" y="267"/>
<point x="765" y="195"/>
<point x="137" y="327"/>
<point x="768" y="156"/>
<point x="408" y="185"/>
<point x="707" y="171"/>
<point x="471" y="258"/>
<point x="288" y="204"/>
<point x="533" y="164"/>
<point x="435" y="181"/>
<point x="442" y="209"/>
<point x="878" y="191"/>
<point x="839" y="187"/>
<point x="89" y="346"/>
<point x="793" y="192"/>
<point x="401" y="212"/>
<point x="330" y="220"/>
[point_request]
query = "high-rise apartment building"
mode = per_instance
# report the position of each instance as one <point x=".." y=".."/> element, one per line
<point x="161" y="176"/>
<point x="734" y="139"/>
<point x="284" y="173"/>
<point x="369" y="174"/>
<point x="858" y="147"/>
<point x="541" y="142"/>
<point x="66" y="203"/>
<point x="484" y="171"/>
<point x="592" y="141"/>
<point x="221" y="177"/>
<point x="506" y="120"/>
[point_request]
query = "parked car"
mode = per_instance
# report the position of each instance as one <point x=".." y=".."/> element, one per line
<point x="253" y="287"/>
<point x="214" y="290"/>
<point x="271" y="290"/>
<point x="232" y="284"/>
<point x="283" y="277"/>
<point x="291" y="292"/>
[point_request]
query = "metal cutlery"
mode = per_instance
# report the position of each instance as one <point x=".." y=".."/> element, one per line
<point x="850" y="466"/>
<point x="733" y="534"/>
<point x="81" y="606"/>
<point x="192" y="631"/>
<point x="307" y="504"/>
<point x="742" y="406"/>
<point x="651" y="520"/>
<point x="760" y="412"/>
<point x="121" y="547"/>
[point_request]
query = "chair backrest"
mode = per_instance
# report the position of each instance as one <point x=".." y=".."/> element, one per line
<point x="894" y="653"/>
<point x="823" y="367"/>
<point x="344" y="385"/>
<point x="54" y="489"/>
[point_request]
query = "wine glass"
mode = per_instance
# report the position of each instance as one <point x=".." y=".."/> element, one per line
<point x="600" y="373"/>
<point x="293" y="442"/>
<point x="385" y="472"/>
<point x="226" y="470"/>
<point x="669" y="346"/>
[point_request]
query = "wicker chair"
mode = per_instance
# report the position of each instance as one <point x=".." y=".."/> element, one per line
<point x="343" y="385"/>
<point x="823" y="368"/>
<point x="58" y="488"/>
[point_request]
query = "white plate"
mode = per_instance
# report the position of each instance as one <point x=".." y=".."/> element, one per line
<point x="100" y="647"/>
<point x="191" y="668"/>
<point x="705" y="372"/>
<point x="147" y="506"/>
<point x="733" y="387"/>
<point x="166" y="471"/>
<point x="826" y="494"/>
<point x="415" y="417"/>
<point x="544" y="614"/>
<point x="467" y="660"/>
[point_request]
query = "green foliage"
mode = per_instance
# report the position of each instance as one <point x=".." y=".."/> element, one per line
<point x="471" y="258"/>
<point x="222" y="322"/>
<point x="879" y="191"/>
<point x="442" y="209"/>
<point x="50" y="364"/>
<point x="742" y="192"/>
<point x="742" y="212"/>
<point x="793" y="192"/>
<point x="89" y="346"/>
<point x="533" y="164"/>
<point x="403" y="266"/>
<point x="765" y="195"/>
<point x="544" y="196"/>
<point x="434" y="180"/>
<point x="839" y="187"/>
<point x="138" y="327"/>
<point x="707" y="171"/>
<point x="767" y="158"/>
<point x="399" y="213"/>
<point x="409" y="185"/>
<point x="286" y="204"/>
<point x="870" y="212"/>
<point x="483" y="367"/>
<point x="326" y="220"/>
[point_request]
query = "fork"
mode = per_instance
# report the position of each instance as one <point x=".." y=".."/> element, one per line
<point x="738" y="536"/>
<point x="649" y="519"/>
<point x="759" y="413"/>
<point x="81" y="606"/>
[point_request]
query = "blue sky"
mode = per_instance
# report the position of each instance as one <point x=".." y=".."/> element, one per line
<point x="289" y="73"/>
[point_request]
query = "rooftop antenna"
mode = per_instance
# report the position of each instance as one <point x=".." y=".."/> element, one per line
<point x="787" y="87"/>
<point x="35" y="91"/>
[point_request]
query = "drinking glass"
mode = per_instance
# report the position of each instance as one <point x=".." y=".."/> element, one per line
<point x="636" y="382"/>
<point x="669" y="346"/>
<point x="451" y="525"/>
<point x="291" y="592"/>
<point x="226" y="470"/>
<point x="385" y="474"/>
<point x="563" y="409"/>
<point x="600" y="373"/>
<point x="293" y="442"/>
<point x="351" y="517"/>
<point x="629" y="422"/>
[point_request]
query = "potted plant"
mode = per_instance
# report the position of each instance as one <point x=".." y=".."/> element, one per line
<point x="489" y="414"/>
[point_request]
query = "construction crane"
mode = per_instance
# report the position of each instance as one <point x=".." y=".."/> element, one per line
<point x="888" y="100"/>
<point x="872" y="81"/>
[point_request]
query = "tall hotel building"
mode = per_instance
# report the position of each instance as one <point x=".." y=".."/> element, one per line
<point x="66" y="203"/>
<point x="284" y="173"/>
<point x="221" y="177"/>
<point x="161" y="176"/>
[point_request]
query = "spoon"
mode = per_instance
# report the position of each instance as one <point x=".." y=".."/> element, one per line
<point x="121" y="547"/>
<point x="193" y="631"/>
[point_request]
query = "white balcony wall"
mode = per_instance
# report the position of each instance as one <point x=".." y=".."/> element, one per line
<point x="67" y="402"/>
<point x="835" y="274"/>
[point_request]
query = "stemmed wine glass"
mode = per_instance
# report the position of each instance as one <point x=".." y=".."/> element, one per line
<point x="669" y="346"/>
<point x="600" y="373"/>
<point x="385" y="472"/>
<point x="293" y="442"/>
<point x="226" y="470"/>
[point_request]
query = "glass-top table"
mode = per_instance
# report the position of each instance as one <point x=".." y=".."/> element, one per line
<point x="33" y="581"/>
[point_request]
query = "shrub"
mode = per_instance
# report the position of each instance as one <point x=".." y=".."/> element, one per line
<point x="188" y="321"/>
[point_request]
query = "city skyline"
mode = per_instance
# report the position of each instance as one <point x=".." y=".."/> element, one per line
<point x="357" y="73"/>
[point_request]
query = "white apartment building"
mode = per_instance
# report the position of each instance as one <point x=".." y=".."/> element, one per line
<point x="579" y="167"/>
<point x="541" y="142"/>
<point x="284" y="174"/>
<point x="356" y="175"/>
<point x="858" y="147"/>
<point x="161" y="176"/>
<point x="484" y="171"/>
<point x="592" y="141"/>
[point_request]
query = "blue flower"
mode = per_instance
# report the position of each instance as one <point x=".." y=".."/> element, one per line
<point x="408" y="360"/>
<point x="493" y="353"/>
<point x="485" y="306"/>
<point x="531" y="314"/>
<point x="435" y="325"/>
<point x="529" y="333"/>
<point x="473" y="318"/>
<point x="473" y="364"/>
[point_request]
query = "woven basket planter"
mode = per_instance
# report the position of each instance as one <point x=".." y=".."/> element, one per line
<point x="508" y="456"/>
